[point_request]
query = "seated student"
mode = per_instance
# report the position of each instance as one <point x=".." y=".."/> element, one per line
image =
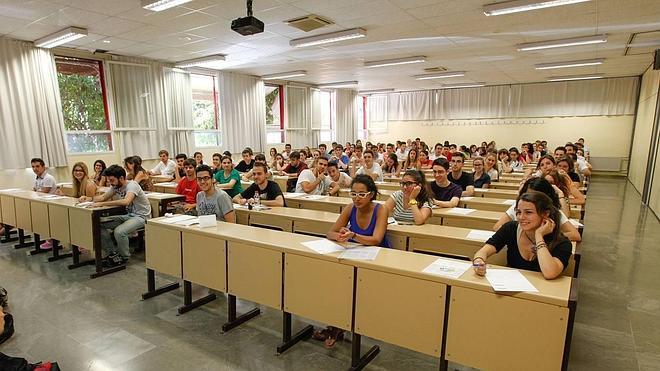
<point x="339" y="157"/>
<point x="262" y="191"/>
<point x="444" y="192"/>
<point x="412" y="162"/>
<point x="228" y="178"/>
<point x="211" y="201"/>
<point x="323" y="151"/>
<point x="303" y="156"/>
<point x="258" y="159"/>
<point x="287" y="152"/>
<point x="584" y="167"/>
<point x="563" y="182"/>
<point x="558" y="201"/>
<point x="217" y="163"/>
<point x="199" y="158"/>
<point x="278" y="164"/>
<point x="294" y="168"/>
<point x="559" y="153"/>
<point x="342" y="179"/>
<point x="490" y="166"/>
<point x="188" y="187"/>
<point x="481" y="178"/>
<point x="165" y="166"/>
<point x="424" y="161"/>
<point x="44" y="182"/>
<point x="526" y="153"/>
<point x="82" y="185"/>
<point x="368" y="167"/>
<point x="566" y="164"/>
<point x="437" y="152"/>
<point x="460" y="177"/>
<point x="246" y="163"/>
<point x="134" y="171"/>
<point x="315" y="154"/>
<point x="391" y="165"/>
<point x="127" y="193"/>
<point x="225" y="153"/>
<point x="411" y="204"/>
<point x="534" y="242"/>
<point x="402" y="152"/>
<point x="516" y="165"/>
<point x="99" y="168"/>
<point x="356" y="154"/>
<point x="314" y="181"/>
<point x="504" y="163"/>
<point x="180" y="158"/>
<point x="272" y="153"/>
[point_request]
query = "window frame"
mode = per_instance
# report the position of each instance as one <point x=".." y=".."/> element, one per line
<point x="280" y="97"/>
<point x="216" y="116"/>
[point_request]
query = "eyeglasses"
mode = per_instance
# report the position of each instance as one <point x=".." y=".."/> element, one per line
<point x="359" y="194"/>
<point x="407" y="184"/>
<point x="203" y="178"/>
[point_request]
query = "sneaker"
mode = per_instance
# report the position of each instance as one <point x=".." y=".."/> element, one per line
<point x="114" y="260"/>
<point x="3" y="297"/>
<point x="46" y="245"/>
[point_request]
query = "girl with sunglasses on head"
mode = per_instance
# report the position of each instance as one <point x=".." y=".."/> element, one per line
<point x="411" y="204"/>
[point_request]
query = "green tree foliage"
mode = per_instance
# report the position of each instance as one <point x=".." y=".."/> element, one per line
<point x="82" y="102"/>
<point x="203" y="115"/>
<point x="270" y="100"/>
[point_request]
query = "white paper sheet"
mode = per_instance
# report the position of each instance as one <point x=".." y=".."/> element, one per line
<point x="576" y="223"/>
<point x="509" y="202"/>
<point x="52" y="197"/>
<point x="460" y="211"/>
<point x="84" y="204"/>
<point x="448" y="267"/>
<point x="10" y="190"/>
<point x="293" y="195"/>
<point x="481" y="235"/>
<point x="206" y="221"/>
<point x="188" y="222"/>
<point x="360" y="253"/>
<point x="323" y="246"/>
<point x="314" y="197"/>
<point x="391" y="220"/>
<point x="509" y="280"/>
<point x="176" y="218"/>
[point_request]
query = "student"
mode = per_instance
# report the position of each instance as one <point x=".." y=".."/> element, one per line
<point x="411" y="204"/>
<point x="99" y="168"/>
<point x="82" y="185"/>
<point x="563" y="182"/>
<point x="444" y="192"/>
<point x="199" y="158"/>
<point x="316" y="154"/>
<point x="134" y="171"/>
<point x="212" y="201"/>
<point x="546" y="164"/>
<point x="127" y="193"/>
<point x="165" y="166"/>
<point x="217" y="163"/>
<point x="246" y="163"/>
<point x="437" y="152"/>
<point x="287" y="152"/>
<point x="323" y="151"/>
<point x="516" y="165"/>
<point x="356" y="154"/>
<point x="481" y="178"/>
<point x="294" y="168"/>
<point x="272" y="153"/>
<point x="559" y="153"/>
<point x="369" y="167"/>
<point x="424" y="161"/>
<point x="555" y="195"/>
<point x="490" y="166"/>
<point x="526" y="153"/>
<point x="340" y="158"/>
<point x="583" y="166"/>
<point x="180" y="173"/>
<point x="258" y="159"/>
<point x="504" y="166"/>
<point x="568" y="165"/>
<point x="262" y="191"/>
<point x="412" y="162"/>
<point x="460" y="177"/>
<point x="229" y="179"/>
<point x="314" y="181"/>
<point x="533" y="242"/>
<point x="342" y="179"/>
<point x="278" y="164"/>
<point x="401" y="153"/>
<point x="44" y="182"/>
<point x="391" y="165"/>
<point x="188" y="187"/>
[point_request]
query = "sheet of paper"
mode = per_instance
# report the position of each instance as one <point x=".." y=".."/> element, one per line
<point x="323" y="246"/>
<point x="467" y="198"/>
<point x="509" y="280"/>
<point x="207" y="221"/>
<point x="10" y="190"/>
<point x="509" y="202"/>
<point x="360" y="253"/>
<point x="391" y="220"/>
<point x="52" y="197"/>
<point x="576" y="223"/>
<point x="448" y="267"/>
<point x="460" y="211"/>
<point x="84" y="204"/>
<point x="481" y="235"/>
<point x="293" y="195"/>
<point x="314" y="197"/>
<point x="188" y="222"/>
<point x="177" y="218"/>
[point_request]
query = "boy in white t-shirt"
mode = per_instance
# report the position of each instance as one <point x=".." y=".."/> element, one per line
<point x="314" y="181"/>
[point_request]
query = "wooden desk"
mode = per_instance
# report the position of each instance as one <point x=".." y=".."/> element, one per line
<point x="478" y="219"/>
<point x="160" y="178"/>
<point x="165" y="187"/>
<point x="505" y="185"/>
<point x="161" y="201"/>
<point x="496" y="193"/>
<point x="324" y="203"/>
<point x="486" y="203"/>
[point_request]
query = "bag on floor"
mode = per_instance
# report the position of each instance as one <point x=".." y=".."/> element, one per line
<point x="8" y="363"/>
<point x="8" y="331"/>
<point x="3" y="297"/>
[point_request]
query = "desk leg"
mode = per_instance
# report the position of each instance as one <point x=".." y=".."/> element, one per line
<point x="233" y="320"/>
<point x="287" y="340"/>
<point x="359" y="362"/>
<point x="6" y="237"/>
<point x="75" y="253"/>
<point x="98" y="253"/>
<point x="37" y="245"/>
<point x="572" y="308"/>
<point x="444" y="364"/>
<point x="21" y="240"/>
<point x="188" y="303"/>
<point x="151" y="286"/>
<point x="56" y="252"/>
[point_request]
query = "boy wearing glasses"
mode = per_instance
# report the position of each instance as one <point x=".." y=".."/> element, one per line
<point x="458" y="176"/>
<point x="211" y="201"/>
<point x="444" y="192"/>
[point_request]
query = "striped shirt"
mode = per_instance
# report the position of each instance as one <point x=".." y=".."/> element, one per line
<point x="401" y="214"/>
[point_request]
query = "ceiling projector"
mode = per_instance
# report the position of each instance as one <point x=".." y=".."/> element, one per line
<point x="247" y="25"/>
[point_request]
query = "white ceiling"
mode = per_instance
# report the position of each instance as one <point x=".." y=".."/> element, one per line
<point x="452" y="33"/>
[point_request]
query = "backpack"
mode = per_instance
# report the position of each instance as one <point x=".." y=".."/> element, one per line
<point x="8" y="331"/>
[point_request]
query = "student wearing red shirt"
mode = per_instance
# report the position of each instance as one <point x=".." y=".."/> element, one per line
<point x="188" y="187"/>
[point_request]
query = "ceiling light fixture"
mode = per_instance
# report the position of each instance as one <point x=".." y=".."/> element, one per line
<point x="340" y="84"/>
<point x="580" y="63"/>
<point x="442" y="75"/>
<point x="327" y="38"/>
<point x="160" y="5"/>
<point x="200" y="61"/>
<point x="61" y="37"/>
<point x="284" y="75"/>
<point x="572" y="78"/>
<point x="574" y="41"/>
<point x="375" y="91"/>
<point x="516" y="6"/>
<point x="458" y="86"/>
<point x="394" y="62"/>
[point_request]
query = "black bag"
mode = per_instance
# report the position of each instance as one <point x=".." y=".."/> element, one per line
<point x="8" y="363"/>
<point x="3" y="297"/>
<point x="8" y="331"/>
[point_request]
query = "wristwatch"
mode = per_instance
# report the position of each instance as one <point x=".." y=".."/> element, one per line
<point x="412" y="202"/>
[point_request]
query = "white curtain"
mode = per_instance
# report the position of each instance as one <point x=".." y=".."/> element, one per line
<point x="178" y="110"/>
<point x="243" y="112"/>
<point x="347" y="108"/>
<point x="316" y="124"/>
<point x="410" y="105"/>
<point x="490" y="101"/>
<point x="377" y="113"/>
<point x="298" y="112"/>
<point x="31" y="118"/>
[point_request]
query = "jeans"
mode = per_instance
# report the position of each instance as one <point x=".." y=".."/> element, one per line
<point x="122" y="226"/>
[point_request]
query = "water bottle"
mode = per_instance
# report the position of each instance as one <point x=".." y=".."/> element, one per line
<point x="257" y="199"/>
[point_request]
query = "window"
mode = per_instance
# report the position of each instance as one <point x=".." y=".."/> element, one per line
<point x="326" y="101"/>
<point x="205" y="111"/>
<point x="274" y="114"/>
<point x="84" y="105"/>
<point x="363" y="132"/>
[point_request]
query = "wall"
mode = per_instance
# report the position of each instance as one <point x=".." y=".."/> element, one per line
<point x="648" y="97"/>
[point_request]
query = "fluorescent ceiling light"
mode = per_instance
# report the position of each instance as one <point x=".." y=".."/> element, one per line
<point x="579" y="77"/>
<point x="284" y="75"/>
<point x="200" y="61"/>
<point x="458" y="86"/>
<point x="160" y="5"/>
<point x="580" y="63"/>
<point x="376" y="91"/>
<point x="326" y="38"/>
<point x="394" y="62"/>
<point x="441" y="75"/>
<point x="341" y="84"/>
<point x="574" y="41"/>
<point x="61" y="37"/>
<point x="516" y="6"/>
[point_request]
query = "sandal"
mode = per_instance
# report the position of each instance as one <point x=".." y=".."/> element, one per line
<point x="336" y="334"/>
<point x="321" y="334"/>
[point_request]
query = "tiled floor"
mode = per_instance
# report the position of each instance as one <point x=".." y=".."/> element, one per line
<point x="102" y="324"/>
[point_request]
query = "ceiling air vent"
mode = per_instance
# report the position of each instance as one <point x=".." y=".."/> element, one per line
<point x="308" y="23"/>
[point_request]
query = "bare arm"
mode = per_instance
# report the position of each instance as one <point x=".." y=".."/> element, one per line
<point x="122" y="202"/>
<point x="451" y="203"/>
<point x="469" y="191"/>
<point x="503" y="220"/>
<point x="342" y="221"/>
<point x="420" y="214"/>
<point x="570" y="232"/>
<point x="230" y="217"/>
